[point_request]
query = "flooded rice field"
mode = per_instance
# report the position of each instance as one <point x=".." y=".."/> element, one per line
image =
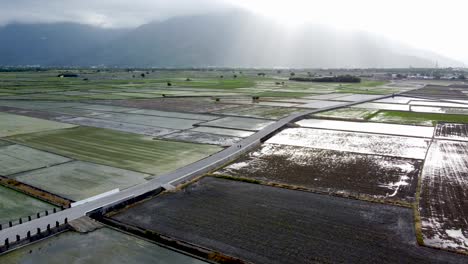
<point x="328" y="96"/>
<point x="321" y="104"/>
<point x="263" y="224"/>
<point x="14" y="205"/>
<point x="224" y="131"/>
<point x="106" y="108"/>
<point x="268" y="112"/>
<point x="330" y="171"/>
<point x="16" y="124"/>
<point x="80" y="180"/>
<point x="437" y="109"/>
<point x="397" y="100"/>
<point x="17" y="158"/>
<point x="119" y="126"/>
<point x="191" y="105"/>
<point x="441" y="104"/>
<point x="279" y="104"/>
<point x="174" y="114"/>
<point x="156" y="121"/>
<point x="452" y="131"/>
<point x="395" y="146"/>
<point x="383" y="106"/>
<point x="249" y="124"/>
<point x="102" y="245"/>
<point x="118" y="149"/>
<point x="443" y="206"/>
<point x="357" y="97"/>
<point x="367" y="127"/>
<point x="440" y="91"/>
<point x="348" y="113"/>
<point x="38" y="105"/>
<point x="202" y="138"/>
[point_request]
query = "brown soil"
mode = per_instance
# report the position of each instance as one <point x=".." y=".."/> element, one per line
<point x="330" y="171"/>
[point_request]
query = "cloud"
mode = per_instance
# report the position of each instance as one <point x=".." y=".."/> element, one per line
<point x="104" y="13"/>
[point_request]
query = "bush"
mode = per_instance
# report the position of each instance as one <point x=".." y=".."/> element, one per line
<point x="341" y="78"/>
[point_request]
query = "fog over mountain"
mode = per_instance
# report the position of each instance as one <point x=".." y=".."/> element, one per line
<point x="231" y="38"/>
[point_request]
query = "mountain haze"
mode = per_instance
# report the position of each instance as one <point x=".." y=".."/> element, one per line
<point x="233" y="39"/>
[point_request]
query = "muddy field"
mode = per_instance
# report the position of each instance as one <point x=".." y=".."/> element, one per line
<point x="395" y="146"/>
<point x="443" y="205"/>
<point x="452" y="131"/>
<point x="102" y="245"/>
<point x="264" y="224"/>
<point x="330" y="171"/>
<point x="442" y="92"/>
<point x="191" y="105"/>
<point x="369" y="127"/>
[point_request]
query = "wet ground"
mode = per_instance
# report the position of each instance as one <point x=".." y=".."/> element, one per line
<point x="263" y="224"/>
<point x="443" y="92"/>
<point x="197" y="105"/>
<point x="452" y="131"/>
<point x="101" y="246"/>
<point x="444" y="199"/>
<point x="395" y="146"/>
<point x="330" y="171"/>
<point x="369" y="127"/>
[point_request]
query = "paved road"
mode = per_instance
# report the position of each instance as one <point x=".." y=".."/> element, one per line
<point x="172" y="178"/>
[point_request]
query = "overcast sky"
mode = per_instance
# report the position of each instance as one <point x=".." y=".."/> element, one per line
<point x="434" y="25"/>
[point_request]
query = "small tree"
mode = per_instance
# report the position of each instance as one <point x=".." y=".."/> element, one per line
<point x="142" y="75"/>
<point x="292" y="74"/>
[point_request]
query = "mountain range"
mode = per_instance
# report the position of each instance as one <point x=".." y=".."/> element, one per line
<point x="228" y="39"/>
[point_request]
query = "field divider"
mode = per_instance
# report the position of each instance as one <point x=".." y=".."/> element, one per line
<point x="35" y="192"/>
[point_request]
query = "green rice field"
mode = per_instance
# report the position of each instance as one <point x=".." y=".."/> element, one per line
<point x="80" y="180"/>
<point x="14" y="205"/>
<point x="16" y="124"/>
<point x="102" y="245"/>
<point x="416" y="118"/>
<point x="17" y="158"/>
<point x="348" y="113"/>
<point x="118" y="149"/>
